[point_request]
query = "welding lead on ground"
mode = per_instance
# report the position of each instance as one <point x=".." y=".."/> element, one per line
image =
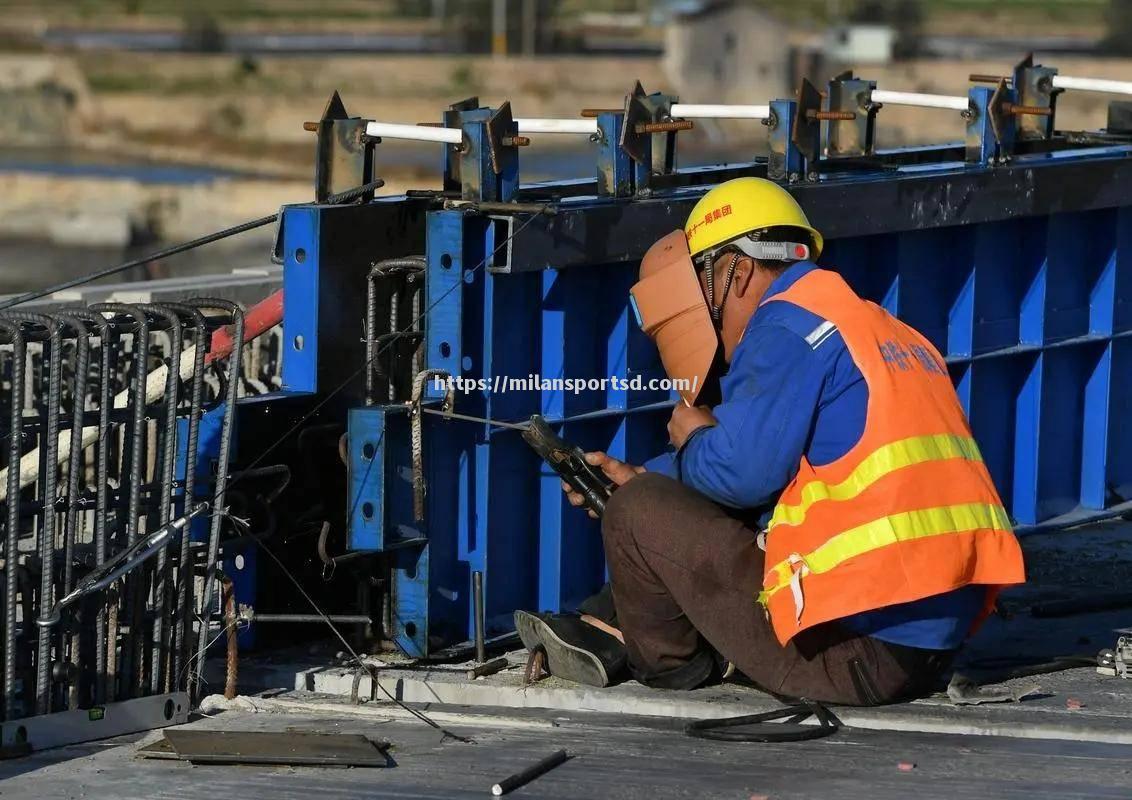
<point x="126" y="561"/>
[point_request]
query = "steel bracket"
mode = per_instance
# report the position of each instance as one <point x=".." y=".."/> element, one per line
<point x="615" y="167"/>
<point x="343" y="153"/>
<point x="452" y="119"/>
<point x="854" y="137"/>
<point x="652" y="153"/>
<point x="786" y="164"/>
<point x="1033" y="85"/>
<point x="990" y="125"/>
<point x="805" y="128"/>
<point x="485" y="166"/>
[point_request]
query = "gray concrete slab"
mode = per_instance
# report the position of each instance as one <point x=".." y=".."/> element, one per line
<point x="1104" y="715"/>
<point x="613" y="756"/>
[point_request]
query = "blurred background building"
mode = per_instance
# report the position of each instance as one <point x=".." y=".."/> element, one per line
<point x="127" y="123"/>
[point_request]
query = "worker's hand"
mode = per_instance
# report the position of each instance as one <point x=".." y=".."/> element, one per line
<point x="685" y="420"/>
<point x="617" y="471"/>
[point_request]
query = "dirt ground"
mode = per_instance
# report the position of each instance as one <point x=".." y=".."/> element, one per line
<point x="244" y="117"/>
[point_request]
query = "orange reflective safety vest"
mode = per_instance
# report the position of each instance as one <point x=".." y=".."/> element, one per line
<point x="910" y="511"/>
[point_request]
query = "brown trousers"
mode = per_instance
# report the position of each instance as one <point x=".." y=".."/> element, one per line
<point x="685" y="575"/>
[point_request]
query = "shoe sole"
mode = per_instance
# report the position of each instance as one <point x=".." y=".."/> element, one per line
<point x="563" y="660"/>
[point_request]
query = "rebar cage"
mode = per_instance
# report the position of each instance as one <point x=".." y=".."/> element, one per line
<point x="104" y="404"/>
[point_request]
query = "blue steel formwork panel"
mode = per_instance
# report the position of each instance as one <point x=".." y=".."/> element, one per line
<point x="1030" y="307"/>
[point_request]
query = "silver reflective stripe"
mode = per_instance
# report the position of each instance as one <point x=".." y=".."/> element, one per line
<point x="771" y="251"/>
<point x="818" y="335"/>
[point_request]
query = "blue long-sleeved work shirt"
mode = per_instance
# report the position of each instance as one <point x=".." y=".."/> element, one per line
<point x="789" y="392"/>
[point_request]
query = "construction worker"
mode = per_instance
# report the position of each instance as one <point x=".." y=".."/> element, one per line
<point x="828" y="527"/>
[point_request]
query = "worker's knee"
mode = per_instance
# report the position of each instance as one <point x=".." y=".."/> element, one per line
<point x="631" y="502"/>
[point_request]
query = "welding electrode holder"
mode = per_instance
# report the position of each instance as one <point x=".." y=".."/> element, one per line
<point x="126" y="561"/>
<point x="569" y="461"/>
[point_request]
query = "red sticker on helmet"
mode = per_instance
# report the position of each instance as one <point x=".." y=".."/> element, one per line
<point x="800" y="251"/>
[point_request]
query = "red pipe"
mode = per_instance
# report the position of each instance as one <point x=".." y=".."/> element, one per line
<point x="260" y="318"/>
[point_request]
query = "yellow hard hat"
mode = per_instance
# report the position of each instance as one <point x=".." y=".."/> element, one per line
<point x="742" y="206"/>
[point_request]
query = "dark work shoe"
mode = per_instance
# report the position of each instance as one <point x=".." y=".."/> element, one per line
<point x="575" y="650"/>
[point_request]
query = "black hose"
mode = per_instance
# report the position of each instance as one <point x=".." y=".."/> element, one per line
<point x="755" y="729"/>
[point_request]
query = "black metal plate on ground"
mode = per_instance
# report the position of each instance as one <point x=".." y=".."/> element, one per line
<point x="262" y="747"/>
<point x="160" y="750"/>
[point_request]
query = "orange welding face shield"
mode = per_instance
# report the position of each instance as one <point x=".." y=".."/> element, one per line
<point x="670" y="307"/>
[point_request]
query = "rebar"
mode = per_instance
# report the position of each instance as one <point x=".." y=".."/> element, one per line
<point x="165" y="508"/>
<point x="232" y="650"/>
<point x="74" y="474"/>
<point x="218" y="505"/>
<point x="385" y="270"/>
<point x="49" y="472"/>
<point x="663" y="127"/>
<point x="11" y="547"/>
<point x="184" y="569"/>
<point x="478" y="622"/>
<point x="102" y="467"/>
<point x="132" y="657"/>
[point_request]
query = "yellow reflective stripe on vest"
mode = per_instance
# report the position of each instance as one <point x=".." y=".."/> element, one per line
<point x="880" y="462"/>
<point x="903" y="527"/>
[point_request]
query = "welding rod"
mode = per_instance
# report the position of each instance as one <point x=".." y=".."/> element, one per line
<point x="689" y="111"/>
<point x="416" y="133"/>
<point x="953" y="102"/>
<point x="533" y="125"/>
<point x="1092" y="84"/>
<point x="529" y="774"/>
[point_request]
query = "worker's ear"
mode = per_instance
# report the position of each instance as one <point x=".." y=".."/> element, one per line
<point x="741" y="279"/>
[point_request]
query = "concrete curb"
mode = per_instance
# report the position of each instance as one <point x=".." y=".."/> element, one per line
<point x="448" y="687"/>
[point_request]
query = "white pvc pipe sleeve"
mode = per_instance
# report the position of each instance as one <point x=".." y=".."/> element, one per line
<point x="1092" y="84"/>
<point x="689" y="111"/>
<point x="416" y="133"/>
<point x="535" y="125"/>
<point x="953" y="102"/>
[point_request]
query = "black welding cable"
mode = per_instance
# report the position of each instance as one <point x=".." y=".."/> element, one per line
<point x="337" y="199"/>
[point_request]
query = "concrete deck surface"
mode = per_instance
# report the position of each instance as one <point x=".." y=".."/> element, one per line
<point x="613" y="756"/>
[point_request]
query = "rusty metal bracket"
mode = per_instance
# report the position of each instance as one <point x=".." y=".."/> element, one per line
<point x="502" y="132"/>
<point x="851" y="136"/>
<point x="648" y="134"/>
<point x="1033" y="89"/>
<point x="452" y="120"/>
<point x="805" y="134"/>
<point x="635" y="141"/>
<point x="1034" y="97"/>
<point x="998" y="112"/>
<point x="344" y="155"/>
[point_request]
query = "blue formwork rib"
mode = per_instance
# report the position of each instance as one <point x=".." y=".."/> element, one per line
<point x="1020" y="274"/>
